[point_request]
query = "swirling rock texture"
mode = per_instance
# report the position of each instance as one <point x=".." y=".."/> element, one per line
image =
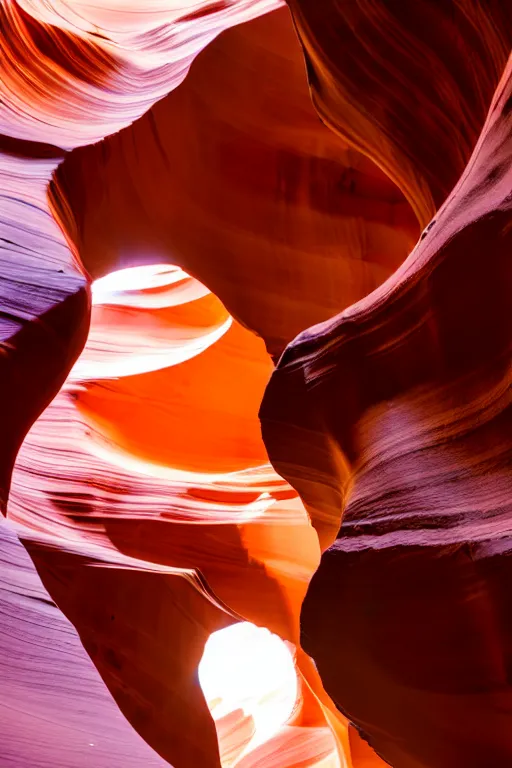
<point x="238" y="176"/>
<point x="407" y="84"/>
<point x="217" y="208"/>
<point x="397" y="414"/>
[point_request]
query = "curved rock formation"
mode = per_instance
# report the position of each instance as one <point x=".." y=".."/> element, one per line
<point x="214" y="204"/>
<point x="409" y="85"/>
<point x="233" y="177"/>
<point x="44" y="301"/>
<point x="396" y="414"/>
<point x="54" y="708"/>
<point x="73" y="75"/>
<point x="145" y="558"/>
<point x="178" y="524"/>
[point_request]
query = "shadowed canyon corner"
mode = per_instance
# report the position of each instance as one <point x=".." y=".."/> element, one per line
<point x="256" y="366"/>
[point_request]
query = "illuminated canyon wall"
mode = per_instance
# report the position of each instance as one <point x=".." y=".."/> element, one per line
<point x="256" y="350"/>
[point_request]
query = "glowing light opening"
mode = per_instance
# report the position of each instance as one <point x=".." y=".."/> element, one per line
<point x="247" y="667"/>
<point x="136" y="279"/>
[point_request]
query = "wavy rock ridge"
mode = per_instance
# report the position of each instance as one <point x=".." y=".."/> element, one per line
<point x="185" y="174"/>
<point x="398" y="418"/>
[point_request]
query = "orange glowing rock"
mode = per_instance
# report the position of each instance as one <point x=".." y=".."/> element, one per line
<point x="173" y="214"/>
<point x="113" y="474"/>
